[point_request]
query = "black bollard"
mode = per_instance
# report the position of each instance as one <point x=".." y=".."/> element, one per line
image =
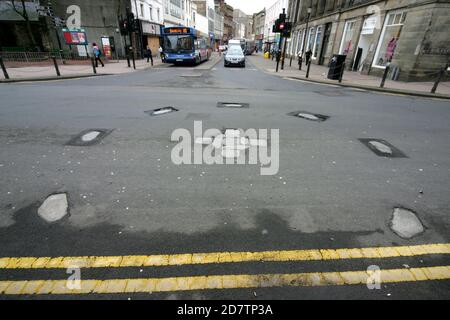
<point x="93" y="65"/>
<point x="5" y="73"/>
<point x="341" y="74"/>
<point x="439" y="78"/>
<point x="56" y="66"/>
<point x="308" y="66"/>
<point x="386" y="71"/>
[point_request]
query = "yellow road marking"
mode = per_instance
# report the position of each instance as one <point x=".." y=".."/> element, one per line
<point x="220" y="257"/>
<point x="219" y="282"/>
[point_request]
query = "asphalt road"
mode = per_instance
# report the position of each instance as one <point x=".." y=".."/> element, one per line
<point x="128" y="198"/>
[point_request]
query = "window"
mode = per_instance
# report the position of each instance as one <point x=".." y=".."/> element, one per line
<point x="142" y="9"/>
<point x="298" y="48"/>
<point x="151" y="12"/>
<point x="310" y="41"/>
<point x="317" y="42"/>
<point x="347" y="37"/>
<point x="158" y="14"/>
<point x="389" y="38"/>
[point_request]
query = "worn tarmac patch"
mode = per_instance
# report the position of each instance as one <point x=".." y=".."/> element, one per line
<point x="89" y="137"/>
<point x="382" y="148"/>
<point x="54" y="208"/>
<point x="161" y="111"/>
<point x="309" y="116"/>
<point x="405" y="223"/>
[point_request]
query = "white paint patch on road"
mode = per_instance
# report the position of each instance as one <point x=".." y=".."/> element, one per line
<point x="90" y="136"/>
<point x="54" y="208"/>
<point x="233" y="105"/>
<point x="308" y="116"/>
<point x="406" y="224"/>
<point x="163" y="111"/>
<point x="381" y="147"/>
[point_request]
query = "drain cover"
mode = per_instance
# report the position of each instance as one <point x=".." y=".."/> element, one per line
<point x="232" y="105"/>
<point x="309" y="116"/>
<point x="89" y="137"/>
<point x="161" y="111"/>
<point x="383" y="148"/>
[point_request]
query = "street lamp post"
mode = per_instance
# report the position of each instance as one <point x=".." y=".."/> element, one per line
<point x="308" y="10"/>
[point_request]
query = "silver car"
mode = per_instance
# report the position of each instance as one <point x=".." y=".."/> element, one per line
<point x="234" y="57"/>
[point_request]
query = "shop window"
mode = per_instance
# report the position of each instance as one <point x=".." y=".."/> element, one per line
<point x="347" y="37"/>
<point x="310" y="43"/>
<point x="389" y="39"/>
<point x="317" y="41"/>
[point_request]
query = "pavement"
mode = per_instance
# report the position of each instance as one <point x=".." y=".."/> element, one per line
<point x="350" y="78"/>
<point x="139" y="226"/>
<point x="112" y="67"/>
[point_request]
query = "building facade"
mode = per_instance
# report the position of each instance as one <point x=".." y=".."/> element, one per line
<point x="258" y="28"/>
<point x="174" y="13"/>
<point x="228" y="24"/>
<point x="411" y="36"/>
<point x="218" y="28"/>
<point x="99" y="19"/>
<point x="150" y="15"/>
<point x="272" y="40"/>
<point x="207" y="10"/>
<point x="243" y="25"/>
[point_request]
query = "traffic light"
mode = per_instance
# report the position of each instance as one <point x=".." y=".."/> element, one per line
<point x="123" y="27"/>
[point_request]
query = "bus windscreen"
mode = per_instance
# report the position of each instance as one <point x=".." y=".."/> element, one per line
<point x="178" y="43"/>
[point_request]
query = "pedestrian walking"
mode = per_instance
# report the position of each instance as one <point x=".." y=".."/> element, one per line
<point x="97" y="54"/>
<point x="308" y="55"/>
<point x="161" y="54"/>
<point x="149" y="54"/>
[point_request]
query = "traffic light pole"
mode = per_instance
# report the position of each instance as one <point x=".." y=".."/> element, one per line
<point x="279" y="53"/>
<point x="284" y="53"/>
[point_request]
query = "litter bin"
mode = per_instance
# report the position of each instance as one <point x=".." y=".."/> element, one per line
<point x="336" y="65"/>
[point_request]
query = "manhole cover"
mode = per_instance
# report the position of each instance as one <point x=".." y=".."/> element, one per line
<point x="331" y="93"/>
<point x="232" y="105"/>
<point x="309" y="116"/>
<point x="89" y="137"/>
<point x="161" y="111"/>
<point x="383" y="148"/>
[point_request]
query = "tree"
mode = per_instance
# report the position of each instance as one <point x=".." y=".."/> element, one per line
<point x="24" y="14"/>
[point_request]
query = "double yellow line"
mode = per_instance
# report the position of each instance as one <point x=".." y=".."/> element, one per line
<point x="221" y="281"/>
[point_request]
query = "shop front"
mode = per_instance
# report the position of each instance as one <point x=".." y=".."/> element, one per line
<point x="151" y="34"/>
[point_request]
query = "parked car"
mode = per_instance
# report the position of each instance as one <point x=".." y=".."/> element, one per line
<point x="234" y="57"/>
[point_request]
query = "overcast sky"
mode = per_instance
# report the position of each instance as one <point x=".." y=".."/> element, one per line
<point x="250" y="6"/>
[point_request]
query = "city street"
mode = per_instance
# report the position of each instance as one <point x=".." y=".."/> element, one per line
<point x="127" y="199"/>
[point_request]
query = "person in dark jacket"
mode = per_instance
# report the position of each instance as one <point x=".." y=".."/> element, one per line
<point x="149" y="54"/>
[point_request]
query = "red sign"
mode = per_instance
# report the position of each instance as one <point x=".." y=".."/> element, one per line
<point x="75" y="37"/>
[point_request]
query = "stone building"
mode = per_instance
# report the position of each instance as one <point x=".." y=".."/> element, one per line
<point x="272" y="40"/>
<point x="99" y="19"/>
<point x="150" y="15"/>
<point x="228" y="24"/>
<point x="412" y="36"/>
<point x="258" y="28"/>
